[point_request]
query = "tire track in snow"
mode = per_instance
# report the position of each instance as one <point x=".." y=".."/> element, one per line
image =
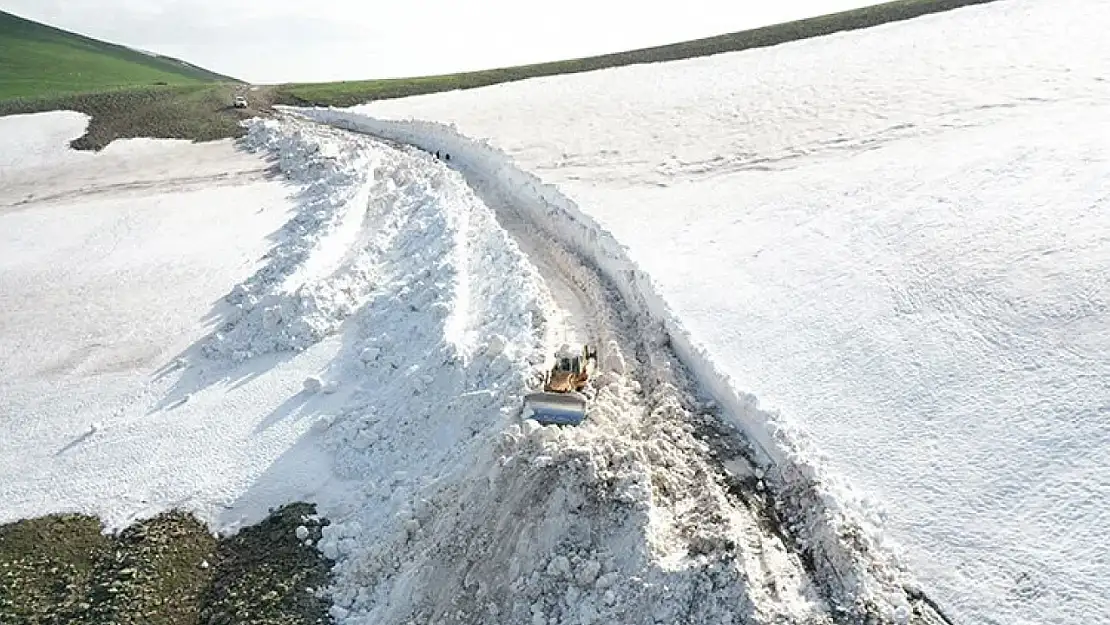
<point x="774" y="497"/>
<point x="688" y="520"/>
<point x="180" y="184"/>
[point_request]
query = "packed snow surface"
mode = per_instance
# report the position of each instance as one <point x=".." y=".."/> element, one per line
<point x="896" y="237"/>
<point x="110" y="265"/>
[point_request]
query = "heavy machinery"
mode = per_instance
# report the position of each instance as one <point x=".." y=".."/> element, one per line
<point x="562" y="401"/>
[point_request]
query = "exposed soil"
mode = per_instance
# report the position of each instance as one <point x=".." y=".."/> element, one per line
<point x="197" y="113"/>
<point x="61" y="569"/>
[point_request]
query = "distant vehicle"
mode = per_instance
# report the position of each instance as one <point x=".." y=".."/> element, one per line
<point x="240" y="102"/>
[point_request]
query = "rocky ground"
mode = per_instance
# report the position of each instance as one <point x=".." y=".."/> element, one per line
<point x="165" y="570"/>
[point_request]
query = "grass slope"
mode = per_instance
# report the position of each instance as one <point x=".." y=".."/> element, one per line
<point x="38" y="60"/>
<point x="196" y="103"/>
<point x="200" y="112"/>
<point x="351" y="93"/>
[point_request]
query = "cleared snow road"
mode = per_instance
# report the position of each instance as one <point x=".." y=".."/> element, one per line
<point x="699" y="516"/>
<point x="712" y="518"/>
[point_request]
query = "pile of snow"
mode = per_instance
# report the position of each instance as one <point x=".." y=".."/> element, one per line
<point x="316" y="274"/>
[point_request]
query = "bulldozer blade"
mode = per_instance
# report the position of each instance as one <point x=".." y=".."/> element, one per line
<point x="555" y="408"/>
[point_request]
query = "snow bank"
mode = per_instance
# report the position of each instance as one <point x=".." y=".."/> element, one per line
<point x="841" y="542"/>
<point x="302" y="293"/>
<point x="35" y="140"/>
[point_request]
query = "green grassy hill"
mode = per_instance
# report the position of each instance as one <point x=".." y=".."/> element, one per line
<point x="351" y="93"/>
<point x="38" y="60"/>
<point x="131" y="94"/>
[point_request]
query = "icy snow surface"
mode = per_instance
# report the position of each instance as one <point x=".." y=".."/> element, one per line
<point x="897" y="237"/>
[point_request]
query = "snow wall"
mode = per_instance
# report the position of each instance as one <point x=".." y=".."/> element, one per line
<point x="838" y="532"/>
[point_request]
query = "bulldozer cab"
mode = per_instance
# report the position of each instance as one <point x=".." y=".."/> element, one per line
<point x="570" y="365"/>
<point x="561" y="400"/>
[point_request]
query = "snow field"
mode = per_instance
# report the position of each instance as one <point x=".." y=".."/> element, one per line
<point x="650" y="126"/>
<point x="854" y="571"/>
<point x="37" y="165"/>
<point x="29" y="142"/>
<point x="101" y="284"/>
<point x="312" y="280"/>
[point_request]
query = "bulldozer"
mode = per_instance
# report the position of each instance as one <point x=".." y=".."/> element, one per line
<point x="562" y="401"/>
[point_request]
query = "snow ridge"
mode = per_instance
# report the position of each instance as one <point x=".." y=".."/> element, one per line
<point x="445" y="507"/>
<point x="294" y="299"/>
<point x="841" y="540"/>
<point x="433" y="364"/>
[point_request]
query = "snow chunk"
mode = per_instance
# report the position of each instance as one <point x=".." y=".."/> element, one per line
<point x="312" y="384"/>
<point x="587" y="572"/>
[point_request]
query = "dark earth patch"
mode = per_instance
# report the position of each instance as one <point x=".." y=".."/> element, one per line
<point x="61" y="569"/>
<point x="193" y="112"/>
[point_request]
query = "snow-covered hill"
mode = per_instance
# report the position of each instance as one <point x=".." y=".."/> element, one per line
<point x="896" y="237"/>
<point x="372" y="361"/>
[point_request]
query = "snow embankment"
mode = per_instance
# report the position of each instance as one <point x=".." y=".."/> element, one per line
<point x="843" y="545"/>
<point x="314" y="277"/>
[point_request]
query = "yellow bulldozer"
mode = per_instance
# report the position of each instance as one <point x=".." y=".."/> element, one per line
<point x="562" y="400"/>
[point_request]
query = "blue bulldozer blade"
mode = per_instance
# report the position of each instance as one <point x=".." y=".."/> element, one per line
<point x="555" y="408"/>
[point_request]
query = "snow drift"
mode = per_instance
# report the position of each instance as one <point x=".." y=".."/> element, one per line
<point x="842" y="544"/>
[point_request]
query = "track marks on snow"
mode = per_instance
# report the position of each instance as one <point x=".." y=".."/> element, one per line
<point x="691" y="536"/>
<point x="840" y="552"/>
<point x="180" y="184"/>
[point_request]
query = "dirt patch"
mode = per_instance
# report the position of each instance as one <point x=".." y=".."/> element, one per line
<point x="197" y="113"/>
<point x="165" y="570"/>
